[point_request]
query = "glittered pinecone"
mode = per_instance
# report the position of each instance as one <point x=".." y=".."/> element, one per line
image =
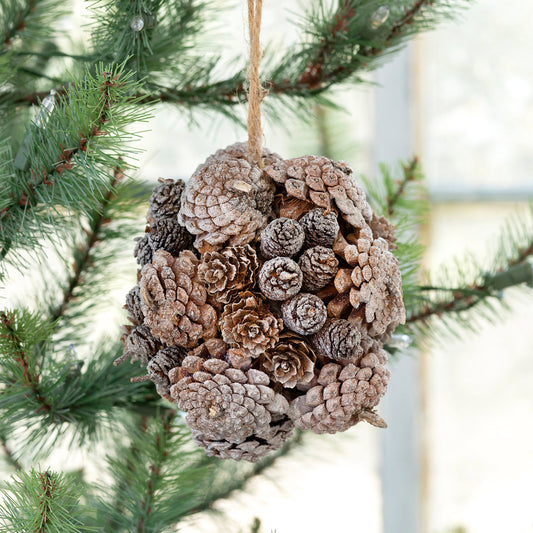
<point x="167" y="234"/>
<point x="240" y="151"/>
<point x="226" y="201"/>
<point x="325" y="183"/>
<point x="143" y="250"/>
<point x="282" y="237"/>
<point x="377" y="284"/>
<point x="139" y="344"/>
<point x="249" y="325"/>
<point x="175" y="301"/>
<point x="339" y="339"/>
<point x="280" y="278"/>
<point x="345" y="395"/>
<point x="319" y="266"/>
<point x="228" y="272"/>
<point x="291" y="362"/>
<point x="253" y="448"/>
<point x="165" y="200"/>
<point x="381" y="227"/>
<point x="223" y="403"/>
<point x="304" y="313"/>
<point x="134" y="306"/>
<point x="159" y="366"/>
<point x="320" y="227"/>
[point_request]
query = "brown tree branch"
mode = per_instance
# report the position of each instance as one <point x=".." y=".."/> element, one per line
<point x="409" y="175"/>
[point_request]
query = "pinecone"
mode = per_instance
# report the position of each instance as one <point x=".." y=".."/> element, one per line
<point x="323" y="182"/>
<point x="344" y="395"/>
<point x="339" y="339"/>
<point x="226" y="201"/>
<point x="228" y="272"/>
<point x="167" y="234"/>
<point x="282" y="237"/>
<point x="381" y="227"/>
<point x="239" y="151"/>
<point x="319" y="266"/>
<point x="377" y="284"/>
<point x="133" y="306"/>
<point x="252" y="449"/>
<point x="291" y="362"/>
<point x="320" y="227"/>
<point x="143" y="250"/>
<point x="280" y="278"/>
<point x="139" y="345"/>
<point x="174" y="300"/>
<point x="223" y="403"/>
<point x="304" y="313"/>
<point x="249" y="325"/>
<point x="165" y="200"/>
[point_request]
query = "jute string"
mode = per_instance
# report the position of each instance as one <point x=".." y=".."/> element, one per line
<point x="255" y="93"/>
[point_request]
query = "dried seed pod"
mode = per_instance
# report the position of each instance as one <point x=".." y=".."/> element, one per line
<point x="252" y="448"/>
<point x="323" y="182"/>
<point x="320" y="227"/>
<point x="228" y="272"/>
<point x="280" y="278"/>
<point x="165" y="200"/>
<point x="224" y="202"/>
<point x="304" y="313"/>
<point x="291" y="362"/>
<point x="339" y="339"/>
<point x="143" y="250"/>
<point x="139" y="345"/>
<point x="224" y="403"/>
<point x="283" y="237"/>
<point x="175" y="301"/>
<point x="319" y="266"/>
<point x="133" y="306"/>
<point x="248" y="324"/>
<point x="344" y="395"/>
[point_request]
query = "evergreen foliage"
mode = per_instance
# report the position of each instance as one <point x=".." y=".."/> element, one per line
<point x="65" y="203"/>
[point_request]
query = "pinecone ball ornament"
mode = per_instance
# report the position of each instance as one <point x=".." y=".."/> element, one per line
<point x="265" y="295"/>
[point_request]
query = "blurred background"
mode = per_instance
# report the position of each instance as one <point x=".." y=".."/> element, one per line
<point x="458" y="454"/>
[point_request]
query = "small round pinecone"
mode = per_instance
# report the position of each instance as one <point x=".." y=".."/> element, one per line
<point x="339" y="339"/>
<point x="228" y="272"/>
<point x="324" y="181"/>
<point x="175" y="301"/>
<point x="248" y="324"/>
<point x="223" y="203"/>
<point x="319" y="266"/>
<point x="167" y="234"/>
<point x="133" y="306"/>
<point x="282" y="237"/>
<point x="291" y="362"/>
<point x="320" y="227"/>
<point x="239" y="151"/>
<point x="143" y="250"/>
<point x="280" y="278"/>
<point x="165" y="201"/>
<point x="344" y="395"/>
<point x="253" y="448"/>
<point x="378" y="285"/>
<point x="224" y="403"/>
<point x="139" y="344"/>
<point x="304" y="313"/>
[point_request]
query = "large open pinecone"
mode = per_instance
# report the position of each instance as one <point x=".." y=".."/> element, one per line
<point x="175" y="301"/>
<point x="226" y="201"/>
<point x="326" y="183"/>
<point x="228" y="272"/>
<point x="344" y="395"/>
<point x="249" y="324"/>
<point x="224" y="403"/>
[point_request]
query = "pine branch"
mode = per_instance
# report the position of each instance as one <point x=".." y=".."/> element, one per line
<point x="42" y="502"/>
<point x="8" y="454"/>
<point x="479" y="286"/>
<point x="411" y="174"/>
<point x="17" y="25"/>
